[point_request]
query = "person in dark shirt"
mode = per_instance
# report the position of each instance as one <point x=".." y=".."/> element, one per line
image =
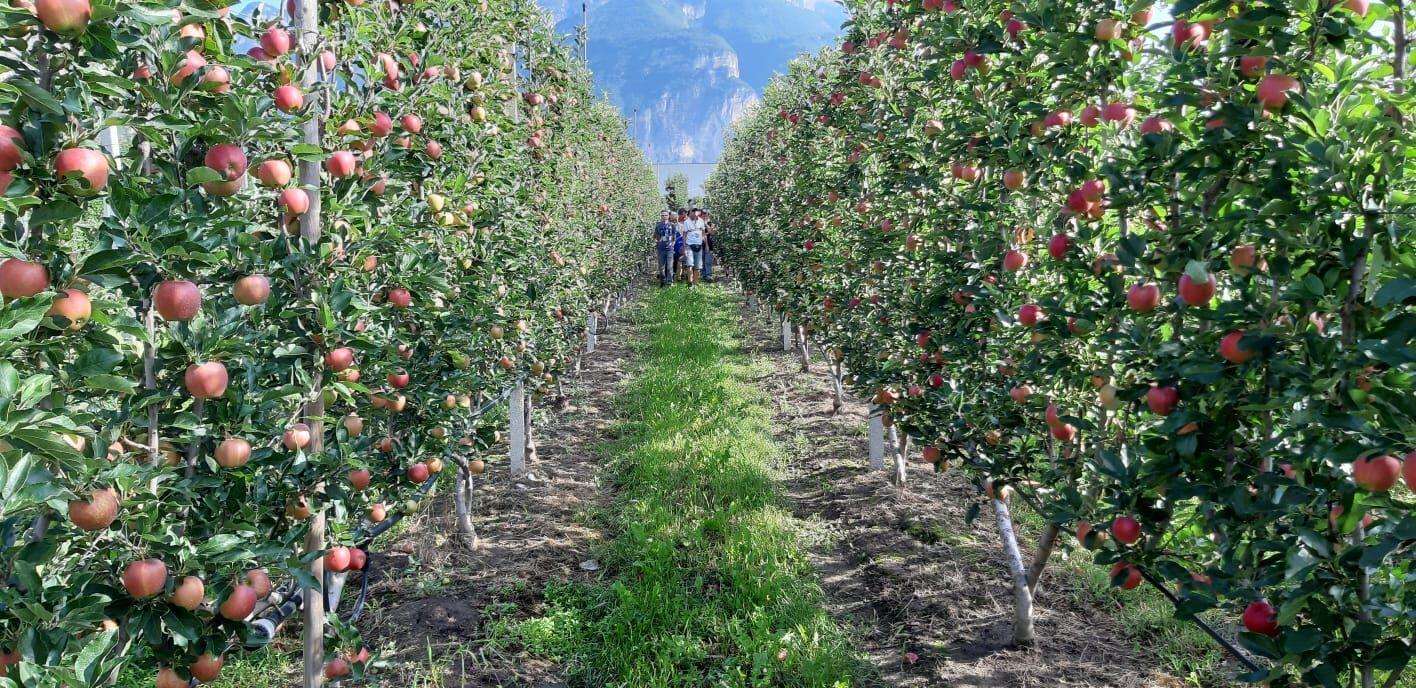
<point x="665" y="237"/>
<point x="710" y="247"/>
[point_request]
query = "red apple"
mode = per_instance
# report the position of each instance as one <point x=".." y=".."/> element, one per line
<point x="1273" y="90"/>
<point x="274" y="173"/>
<point x="1143" y="298"/>
<point x="1126" y="530"/>
<point x="206" y="380"/>
<point x="336" y="560"/>
<point x="233" y="452"/>
<point x="1020" y="394"/>
<point x="433" y="149"/>
<point x="340" y="164"/>
<point x="398" y="297"/>
<point x="412" y="124"/>
<point x="359" y="479"/>
<point x="297" y="437"/>
<point x="90" y="164"/>
<point x="21" y="279"/>
<point x="145" y="578"/>
<point x="259" y="581"/>
<point x="1108" y="30"/>
<point x="189" y="594"/>
<point x="398" y="380"/>
<point x="1030" y="314"/>
<point x="1230" y="350"/>
<point x="74" y="307"/>
<point x="251" y="290"/>
<point x="1131" y="573"/>
<point x="240" y="603"/>
<point x="275" y="42"/>
<point x="289" y="98"/>
<point x="1252" y="66"/>
<point x="339" y="359"/>
<point x="294" y="202"/>
<point x="97" y="512"/>
<point x="1090" y="116"/>
<point x="1243" y="259"/>
<point x="1259" y="617"/>
<point x="1014" y="179"/>
<point x="1196" y="293"/>
<point x="1057" y="246"/>
<point x="12" y="145"/>
<point x="381" y="126"/>
<point x="228" y="160"/>
<point x="1014" y="260"/>
<point x="357" y="559"/>
<point x="207" y="668"/>
<point x="1376" y="473"/>
<point x="1156" y="125"/>
<point x="1162" y="400"/>
<point x="418" y="472"/>
<point x="67" y="17"/>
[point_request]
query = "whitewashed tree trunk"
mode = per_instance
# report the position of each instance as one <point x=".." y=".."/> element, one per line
<point x="787" y="335"/>
<point x="900" y="447"/>
<point x="590" y="334"/>
<point x="803" y="348"/>
<point x="462" y="498"/>
<point x="529" y="416"/>
<point x="1022" y="594"/>
<point x="838" y="398"/>
<point x="877" y="438"/>
<point x="516" y="432"/>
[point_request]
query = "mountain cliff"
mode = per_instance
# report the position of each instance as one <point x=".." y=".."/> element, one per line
<point x="684" y="70"/>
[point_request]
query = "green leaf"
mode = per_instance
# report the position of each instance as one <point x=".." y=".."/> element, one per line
<point x="111" y="383"/>
<point x="21" y="316"/>
<point x="37" y="96"/>
<point x="1395" y="291"/>
<point x="203" y="175"/>
<point x="86" y="663"/>
<point x="33" y="389"/>
<point x="54" y="212"/>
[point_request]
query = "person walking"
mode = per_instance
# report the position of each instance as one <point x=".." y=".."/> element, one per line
<point x="710" y="247"/>
<point x="680" y="265"/>
<point x="693" y="238"/>
<point x="665" y="237"/>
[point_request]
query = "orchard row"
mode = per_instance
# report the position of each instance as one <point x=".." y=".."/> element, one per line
<point x="260" y="275"/>
<point x="1150" y="269"/>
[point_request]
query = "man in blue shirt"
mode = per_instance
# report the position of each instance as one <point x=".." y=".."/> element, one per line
<point x="665" y="236"/>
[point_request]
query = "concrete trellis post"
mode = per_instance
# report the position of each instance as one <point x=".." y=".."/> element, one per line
<point x="590" y="334"/>
<point x="786" y="334"/>
<point x="877" y="438"/>
<point x="516" y="433"/>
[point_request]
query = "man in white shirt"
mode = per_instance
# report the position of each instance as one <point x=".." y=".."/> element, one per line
<point x="693" y="250"/>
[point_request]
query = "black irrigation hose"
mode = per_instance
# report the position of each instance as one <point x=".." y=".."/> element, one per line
<point x="1229" y="647"/>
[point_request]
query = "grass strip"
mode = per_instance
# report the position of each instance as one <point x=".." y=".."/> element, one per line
<point x="710" y="585"/>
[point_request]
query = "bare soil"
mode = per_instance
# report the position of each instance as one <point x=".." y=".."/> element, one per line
<point x="925" y="592"/>
<point x="431" y="607"/>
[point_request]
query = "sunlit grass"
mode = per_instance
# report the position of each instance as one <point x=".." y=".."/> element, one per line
<point x="710" y="585"/>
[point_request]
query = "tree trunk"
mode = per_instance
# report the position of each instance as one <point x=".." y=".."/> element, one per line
<point x="1022" y="593"/>
<point x="838" y="398"/>
<point x="803" y="350"/>
<point x="462" y="498"/>
<point x="1044" y="552"/>
<point x="900" y="447"/>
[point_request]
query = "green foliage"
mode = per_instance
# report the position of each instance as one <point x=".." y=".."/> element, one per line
<point x="870" y="200"/>
<point x="676" y="191"/>
<point x="515" y="203"/>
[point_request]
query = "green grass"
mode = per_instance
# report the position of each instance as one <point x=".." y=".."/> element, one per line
<point x="709" y="583"/>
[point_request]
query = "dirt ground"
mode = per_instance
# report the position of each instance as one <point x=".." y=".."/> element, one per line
<point x="432" y="606"/>
<point x="925" y="592"/>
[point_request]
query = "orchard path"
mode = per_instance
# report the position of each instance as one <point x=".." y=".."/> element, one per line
<point x="698" y="505"/>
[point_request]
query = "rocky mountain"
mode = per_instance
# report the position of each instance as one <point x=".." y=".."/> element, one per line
<point x="684" y="70"/>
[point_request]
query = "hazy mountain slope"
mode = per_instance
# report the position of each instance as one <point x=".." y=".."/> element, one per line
<point x="685" y="70"/>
